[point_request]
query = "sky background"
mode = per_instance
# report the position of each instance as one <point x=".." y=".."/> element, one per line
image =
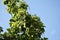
<point x="47" y="10"/>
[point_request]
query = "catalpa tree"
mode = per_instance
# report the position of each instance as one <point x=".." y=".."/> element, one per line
<point x="23" y="25"/>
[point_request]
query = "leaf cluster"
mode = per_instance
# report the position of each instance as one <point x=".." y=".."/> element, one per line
<point x="23" y="25"/>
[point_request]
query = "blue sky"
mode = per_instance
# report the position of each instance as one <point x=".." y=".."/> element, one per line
<point x="47" y="10"/>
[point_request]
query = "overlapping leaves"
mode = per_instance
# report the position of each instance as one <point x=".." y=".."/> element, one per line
<point x="23" y="26"/>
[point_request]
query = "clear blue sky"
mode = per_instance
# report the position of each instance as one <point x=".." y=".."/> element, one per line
<point x="47" y="10"/>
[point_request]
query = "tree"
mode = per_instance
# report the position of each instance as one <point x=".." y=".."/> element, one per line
<point x="1" y="30"/>
<point x="23" y="25"/>
<point x="1" y="36"/>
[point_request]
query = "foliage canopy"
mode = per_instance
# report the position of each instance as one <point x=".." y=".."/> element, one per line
<point x="23" y="26"/>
